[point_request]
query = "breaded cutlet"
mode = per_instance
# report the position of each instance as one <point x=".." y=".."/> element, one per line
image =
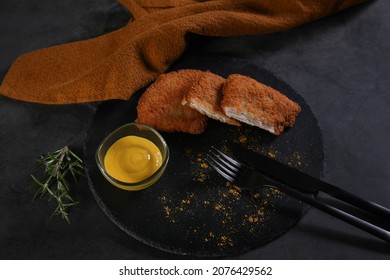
<point x="254" y="103"/>
<point x="160" y="105"/>
<point x="205" y="96"/>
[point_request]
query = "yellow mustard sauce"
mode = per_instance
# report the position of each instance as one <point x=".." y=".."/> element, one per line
<point x="132" y="159"/>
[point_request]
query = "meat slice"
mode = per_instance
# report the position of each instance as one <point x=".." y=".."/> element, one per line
<point x="254" y="103"/>
<point x="160" y="105"/>
<point x="205" y="96"/>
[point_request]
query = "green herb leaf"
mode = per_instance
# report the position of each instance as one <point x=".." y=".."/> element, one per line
<point x="57" y="167"/>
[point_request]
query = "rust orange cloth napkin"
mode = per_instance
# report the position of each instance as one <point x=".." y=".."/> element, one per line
<point x="117" y="64"/>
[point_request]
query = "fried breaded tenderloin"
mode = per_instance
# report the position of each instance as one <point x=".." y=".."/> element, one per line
<point x="251" y="102"/>
<point x="205" y="96"/>
<point x="160" y="105"/>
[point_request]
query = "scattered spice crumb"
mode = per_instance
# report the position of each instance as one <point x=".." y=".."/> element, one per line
<point x="242" y="139"/>
<point x="225" y="204"/>
<point x="272" y="154"/>
<point x="202" y="177"/>
<point x="218" y="207"/>
<point x="234" y="192"/>
<point x="185" y="201"/>
<point x="188" y="152"/>
<point x="252" y="219"/>
<point x="225" y="240"/>
<point x="167" y="210"/>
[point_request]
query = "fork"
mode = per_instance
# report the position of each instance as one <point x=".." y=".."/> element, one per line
<point x="249" y="178"/>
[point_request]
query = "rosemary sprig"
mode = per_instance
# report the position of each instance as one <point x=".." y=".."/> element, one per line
<point x="58" y="166"/>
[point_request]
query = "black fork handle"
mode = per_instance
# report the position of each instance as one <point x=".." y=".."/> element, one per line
<point x="355" y="200"/>
<point x="346" y="217"/>
<point x="299" y="180"/>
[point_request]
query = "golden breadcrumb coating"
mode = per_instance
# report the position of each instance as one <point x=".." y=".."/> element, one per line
<point x="205" y="96"/>
<point x="254" y="103"/>
<point x="160" y="105"/>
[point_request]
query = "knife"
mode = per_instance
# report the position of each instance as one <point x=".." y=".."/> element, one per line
<point x="302" y="181"/>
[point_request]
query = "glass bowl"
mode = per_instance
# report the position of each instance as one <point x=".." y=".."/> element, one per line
<point x="133" y="129"/>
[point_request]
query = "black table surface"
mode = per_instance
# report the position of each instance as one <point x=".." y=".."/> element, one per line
<point x="340" y="65"/>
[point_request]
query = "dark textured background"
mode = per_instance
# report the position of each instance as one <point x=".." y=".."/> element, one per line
<point x="340" y="65"/>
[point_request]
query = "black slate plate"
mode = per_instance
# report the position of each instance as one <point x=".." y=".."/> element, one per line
<point x="191" y="210"/>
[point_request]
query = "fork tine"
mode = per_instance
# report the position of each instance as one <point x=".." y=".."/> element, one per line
<point x="220" y="168"/>
<point x="235" y="163"/>
<point x="221" y="160"/>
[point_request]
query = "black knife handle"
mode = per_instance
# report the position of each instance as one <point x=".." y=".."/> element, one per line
<point x="344" y="216"/>
<point x="357" y="201"/>
<point x="294" y="178"/>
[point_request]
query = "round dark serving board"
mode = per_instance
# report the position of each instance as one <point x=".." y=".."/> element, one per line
<point x="191" y="210"/>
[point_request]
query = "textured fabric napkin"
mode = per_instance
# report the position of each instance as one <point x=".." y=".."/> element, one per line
<point x="117" y="64"/>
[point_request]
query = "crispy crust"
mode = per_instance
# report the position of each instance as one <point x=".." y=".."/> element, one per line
<point x="257" y="104"/>
<point x="160" y="105"/>
<point x="206" y="95"/>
